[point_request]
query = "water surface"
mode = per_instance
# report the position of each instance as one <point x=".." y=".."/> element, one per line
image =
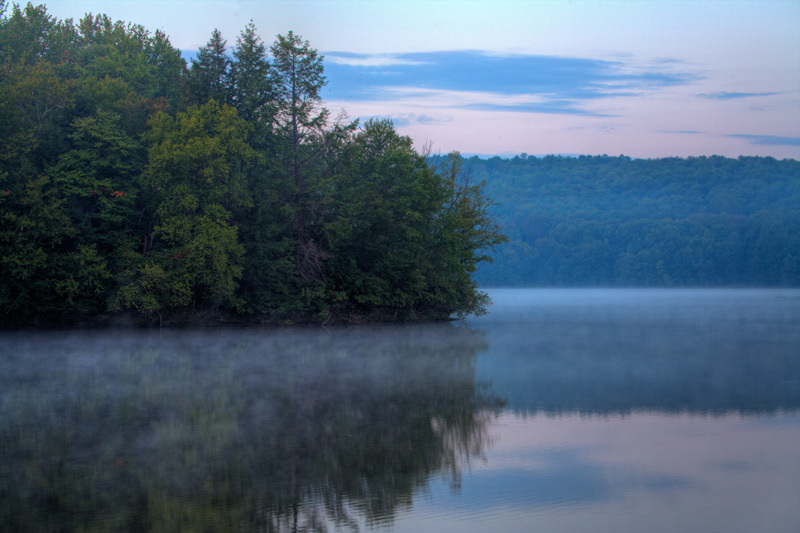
<point x="562" y="410"/>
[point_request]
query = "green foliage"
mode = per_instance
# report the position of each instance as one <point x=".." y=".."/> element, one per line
<point x="407" y="237"/>
<point x="210" y="72"/>
<point x="301" y="141"/>
<point x="380" y="228"/>
<point x="195" y="167"/>
<point x="126" y="70"/>
<point x="468" y="233"/>
<point x="202" y="151"/>
<point x="195" y="262"/>
<point x="30" y="35"/>
<point x="34" y="256"/>
<point x="616" y="221"/>
<point x="250" y="75"/>
<point x="299" y="80"/>
<point x="98" y="175"/>
<point x="133" y="186"/>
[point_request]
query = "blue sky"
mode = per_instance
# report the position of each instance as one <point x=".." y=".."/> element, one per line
<point x="642" y="78"/>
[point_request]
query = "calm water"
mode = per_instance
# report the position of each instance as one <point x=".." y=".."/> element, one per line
<point x="562" y="410"/>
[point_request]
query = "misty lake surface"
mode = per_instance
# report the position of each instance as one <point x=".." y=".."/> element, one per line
<point x="561" y="410"/>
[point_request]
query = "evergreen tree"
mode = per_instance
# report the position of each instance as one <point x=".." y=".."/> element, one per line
<point x="210" y="73"/>
<point x="251" y="77"/>
<point x="301" y="122"/>
<point x="299" y="80"/>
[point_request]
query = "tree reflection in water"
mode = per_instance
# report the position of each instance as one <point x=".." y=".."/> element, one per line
<point x="279" y="430"/>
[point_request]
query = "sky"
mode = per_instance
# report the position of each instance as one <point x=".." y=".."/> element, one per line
<point x="645" y="79"/>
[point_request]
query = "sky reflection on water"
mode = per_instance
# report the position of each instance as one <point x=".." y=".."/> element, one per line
<point x="638" y="472"/>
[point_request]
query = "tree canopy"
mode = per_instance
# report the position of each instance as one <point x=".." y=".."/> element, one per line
<point x="135" y="187"/>
<point x="616" y="221"/>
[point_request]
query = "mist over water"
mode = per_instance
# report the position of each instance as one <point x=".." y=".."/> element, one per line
<point x="612" y="350"/>
<point x="601" y="410"/>
<point x="223" y="429"/>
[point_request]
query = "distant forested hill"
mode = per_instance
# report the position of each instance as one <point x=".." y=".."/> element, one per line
<point x="617" y="221"/>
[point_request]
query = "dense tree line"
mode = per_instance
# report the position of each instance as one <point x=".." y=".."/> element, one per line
<point x="617" y="221"/>
<point x="134" y="185"/>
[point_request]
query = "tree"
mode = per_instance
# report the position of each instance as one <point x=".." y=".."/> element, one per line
<point x="407" y="236"/>
<point x="36" y="92"/>
<point x="196" y="166"/>
<point x="299" y="77"/>
<point x="464" y="235"/>
<point x="299" y="80"/>
<point x="35" y="233"/>
<point x="251" y="76"/>
<point x="98" y="175"/>
<point x="30" y="35"/>
<point x="127" y="70"/>
<point x="99" y="179"/>
<point x="210" y="73"/>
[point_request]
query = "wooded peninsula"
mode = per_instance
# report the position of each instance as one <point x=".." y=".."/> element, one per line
<point x="136" y="188"/>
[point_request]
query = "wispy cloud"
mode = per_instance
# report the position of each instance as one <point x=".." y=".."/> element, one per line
<point x="768" y="140"/>
<point x="406" y="119"/>
<point x="367" y="60"/>
<point x="500" y="82"/>
<point x="562" y="107"/>
<point x="482" y="100"/>
<point x="684" y="132"/>
<point x="725" y="95"/>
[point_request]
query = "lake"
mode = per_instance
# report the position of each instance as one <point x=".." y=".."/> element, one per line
<point x="561" y="410"/>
